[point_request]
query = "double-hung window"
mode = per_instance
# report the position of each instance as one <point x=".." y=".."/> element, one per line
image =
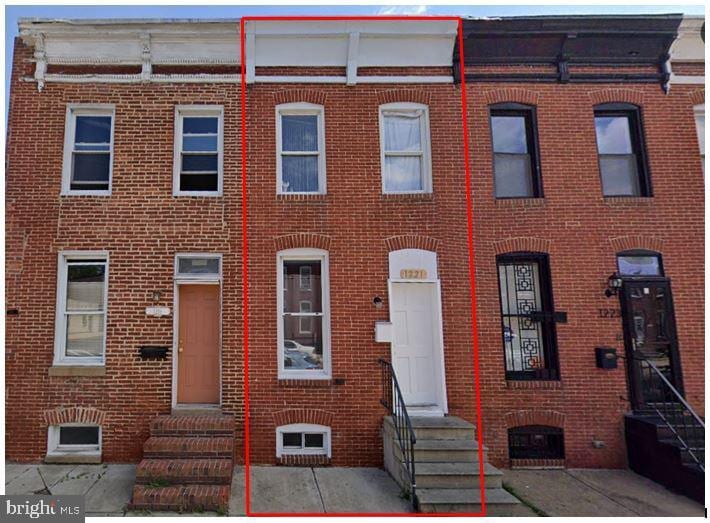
<point x="81" y="308"/>
<point x="88" y="150"/>
<point x="622" y="157"/>
<point x="303" y="329"/>
<point x="405" y="148"/>
<point x="300" y="149"/>
<point x="527" y="317"/>
<point x="515" y="158"/>
<point x="198" y="150"/>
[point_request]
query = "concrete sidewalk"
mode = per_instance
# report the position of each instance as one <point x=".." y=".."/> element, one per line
<point x="592" y="492"/>
<point x="108" y="488"/>
<point x="573" y="492"/>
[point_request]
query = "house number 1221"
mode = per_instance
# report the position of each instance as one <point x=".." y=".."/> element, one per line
<point x="413" y="274"/>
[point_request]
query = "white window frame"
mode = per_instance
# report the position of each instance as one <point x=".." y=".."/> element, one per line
<point x="181" y="111"/>
<point x="303" y="255"/>
<point x="60" y="357"/>
<point x="55" y="449"/>
<point x="303" y="428"/>
<point x="425" y="153"/>
<point x="301" y="108"/>
<point x="699" y="111"/>
<point x="74" y="110"/>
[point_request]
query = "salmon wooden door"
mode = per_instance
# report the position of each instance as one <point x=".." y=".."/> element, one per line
<point x="198" y="344"/>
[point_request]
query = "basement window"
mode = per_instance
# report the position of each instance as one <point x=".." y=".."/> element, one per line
<point x="536" y="442"/>
<point x="88" y="150"/>
<point x="198" y="150"/>
<point x="74" y="440"/>
<point x="303" y="439"/>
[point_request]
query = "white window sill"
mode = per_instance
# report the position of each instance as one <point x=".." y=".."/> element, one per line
<point x="73" y="457"/>
<point x="304" y="376"/>
<point x="86" y="193"/>
<point x="302" y="452"/>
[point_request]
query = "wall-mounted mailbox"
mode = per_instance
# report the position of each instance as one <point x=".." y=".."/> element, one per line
<point x="383" y="332"/>
<point x="152" y="352"/>
<point x="606" y="357"/>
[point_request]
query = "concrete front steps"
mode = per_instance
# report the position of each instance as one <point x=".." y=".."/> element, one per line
<point x="187" y="464"/>
<point x="447" y="468"/>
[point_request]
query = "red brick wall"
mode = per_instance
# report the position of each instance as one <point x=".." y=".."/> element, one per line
<point x="353" y="222"/>
<point x="141" y="225"/>
<point x="582" y="231"/>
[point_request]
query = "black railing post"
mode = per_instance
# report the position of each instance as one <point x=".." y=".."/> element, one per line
<point x="393" y="401"/>
<point x="659" y="396"/>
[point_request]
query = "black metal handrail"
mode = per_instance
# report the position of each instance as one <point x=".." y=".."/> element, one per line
<point x="661" y="398"/>
<point x="393" y="401"/>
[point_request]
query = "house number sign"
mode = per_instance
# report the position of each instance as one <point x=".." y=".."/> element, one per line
<point x="413" y="274"/>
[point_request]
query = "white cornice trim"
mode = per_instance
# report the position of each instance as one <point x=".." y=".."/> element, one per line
<point x="686" y="79"/>
<point x="139" y="78"/>
<point x="235" y="78"/>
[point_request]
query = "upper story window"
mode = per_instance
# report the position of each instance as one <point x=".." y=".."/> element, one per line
<point x="527" y="316"/>
<point x="405" y="148"/>
<point x="81" y="308"/>
<point x="622" y="156"/>
<point x="303" y="330"/>
<point x="515" y="158"/>
<point x="300" y="149"/>
<point x="699" y="111"/>
<point x="88" y="150"/>
<point x="199" y="131"/>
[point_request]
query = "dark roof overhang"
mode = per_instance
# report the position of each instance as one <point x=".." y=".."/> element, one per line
<point x="562" y="41"/>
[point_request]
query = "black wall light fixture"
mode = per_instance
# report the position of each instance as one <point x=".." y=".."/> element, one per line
<point x="613" y="284"/>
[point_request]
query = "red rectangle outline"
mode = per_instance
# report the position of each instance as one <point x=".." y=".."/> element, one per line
<point x="472" y="276"/>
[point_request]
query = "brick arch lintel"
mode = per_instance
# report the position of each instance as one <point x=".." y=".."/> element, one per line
<point x="520" y="418"/>
<point x="419" y="96"/>
<point x="309" y="416"/>
<point x="636" y="241"/>
<point x="620" y="95"/>
<point x="61" y="415"/>
<point x="412" y="241"/>
<point x="285" y="96"/>
<point x="511" y="94"/>
<point x="697" y="97"/>
<point x="302" y="240"/>
<point x="522" y="244"/>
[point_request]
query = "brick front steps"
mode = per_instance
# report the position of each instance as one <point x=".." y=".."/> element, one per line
<point x="187" y="464"/>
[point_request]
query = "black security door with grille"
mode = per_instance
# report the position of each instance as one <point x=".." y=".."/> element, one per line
<point x="650" y="334"/>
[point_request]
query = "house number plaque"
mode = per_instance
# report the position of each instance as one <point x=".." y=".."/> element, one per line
<point x="413" y="274"/>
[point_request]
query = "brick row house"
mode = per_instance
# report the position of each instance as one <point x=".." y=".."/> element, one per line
<point x="125" y="251"/>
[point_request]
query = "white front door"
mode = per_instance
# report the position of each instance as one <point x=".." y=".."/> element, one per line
<point x="416" y="349"/>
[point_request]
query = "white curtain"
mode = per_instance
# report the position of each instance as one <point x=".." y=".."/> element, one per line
<point x="403" y="131"/>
